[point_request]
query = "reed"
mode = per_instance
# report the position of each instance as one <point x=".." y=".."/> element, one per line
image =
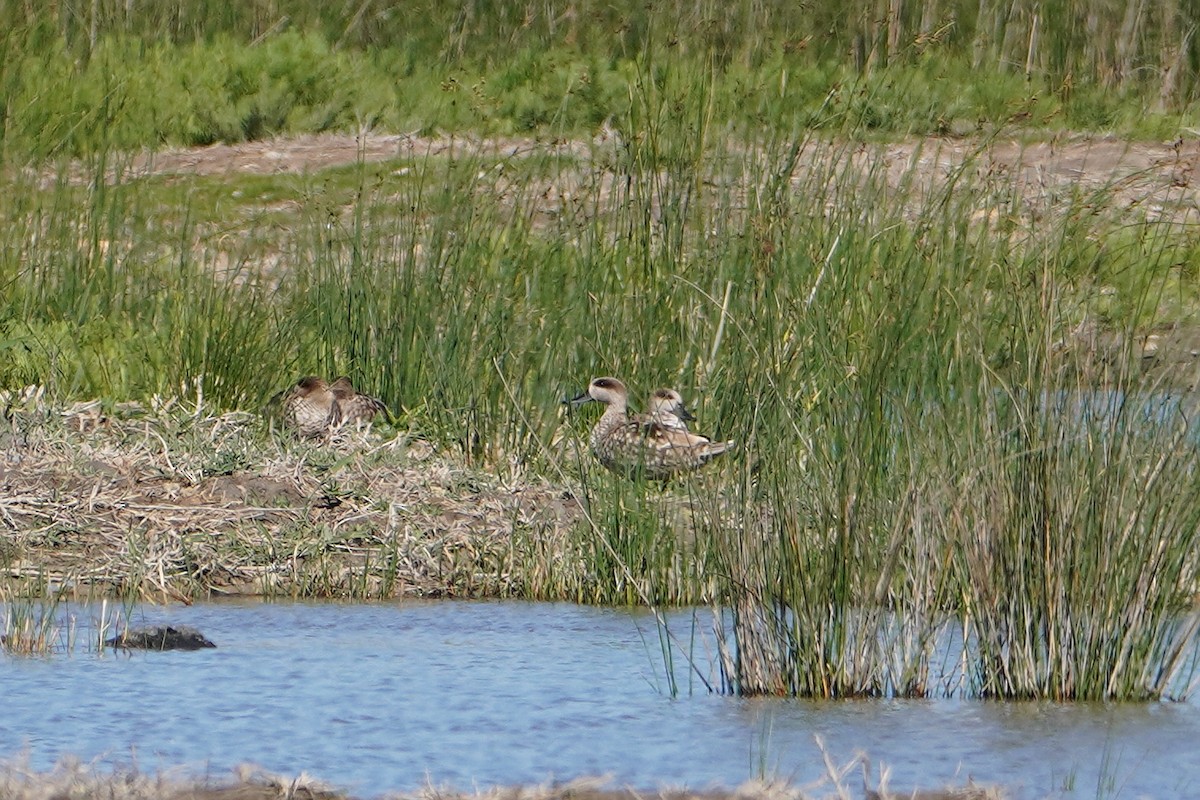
<point x="41" y="621"/>
<point x="32" y="626"/>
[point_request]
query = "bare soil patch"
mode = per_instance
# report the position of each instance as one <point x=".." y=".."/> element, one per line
<point x="1159" y="176"/>
<point x="312" y="152"/>
<point x="1103" y="175"/>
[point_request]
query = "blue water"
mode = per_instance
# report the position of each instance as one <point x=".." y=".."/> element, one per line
<point x="390" y="697"/>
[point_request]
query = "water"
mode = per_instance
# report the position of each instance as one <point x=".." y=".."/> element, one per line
<point x="377" y="698"/>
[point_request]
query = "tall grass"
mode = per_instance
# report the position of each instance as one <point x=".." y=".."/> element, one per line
<point x="85" y="76"/>
<point x="100" y="292"/>
<point x="32" y="626"/>
<point x="973" y="482"/>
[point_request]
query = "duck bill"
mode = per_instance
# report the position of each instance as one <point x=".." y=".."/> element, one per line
<point x="686" y="415"/>
<point x="578" y="400"/>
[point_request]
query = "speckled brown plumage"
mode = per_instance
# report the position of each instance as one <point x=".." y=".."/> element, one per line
<point x="642" y="444"/>
<point x="315" y="407"/>
<point x="354" y="406"/>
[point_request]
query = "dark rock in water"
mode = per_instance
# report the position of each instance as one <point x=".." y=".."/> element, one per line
<point x="161" y="637"/>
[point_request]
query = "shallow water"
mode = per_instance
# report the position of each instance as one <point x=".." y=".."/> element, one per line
<point x="374" y="698"/>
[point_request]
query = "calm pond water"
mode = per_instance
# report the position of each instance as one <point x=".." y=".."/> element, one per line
<point x="375" y="698"/>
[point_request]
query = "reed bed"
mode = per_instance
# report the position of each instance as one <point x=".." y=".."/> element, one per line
<point x="936" y="371"/>
<point x="32" y="627"/>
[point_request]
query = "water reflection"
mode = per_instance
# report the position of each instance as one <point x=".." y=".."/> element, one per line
<point x="386" y="697"/>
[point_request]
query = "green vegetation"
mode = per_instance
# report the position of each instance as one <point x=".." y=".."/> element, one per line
<point x="83" y="77"/>
<point x="936" y="375"/>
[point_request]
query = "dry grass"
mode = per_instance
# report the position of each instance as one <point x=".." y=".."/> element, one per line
<point x="72" y="779"/>
<point x="173" y="502"/>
